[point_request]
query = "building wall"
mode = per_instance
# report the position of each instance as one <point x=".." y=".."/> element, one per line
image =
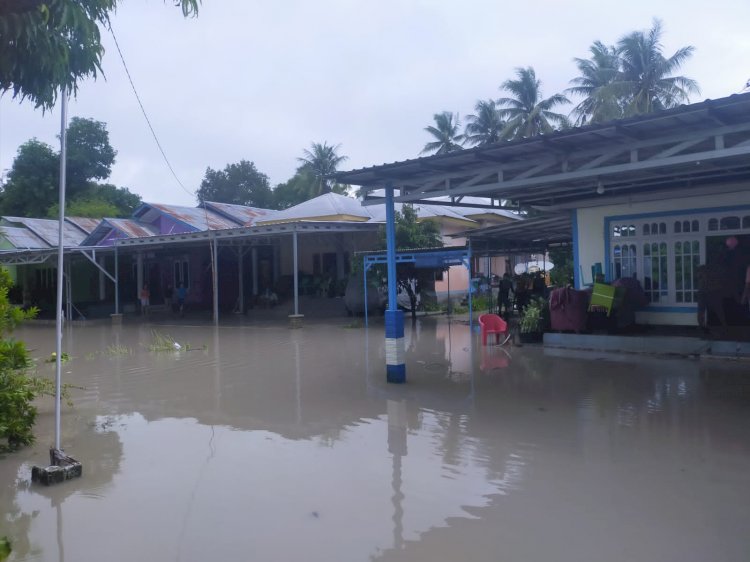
<point x="592" y="239"/>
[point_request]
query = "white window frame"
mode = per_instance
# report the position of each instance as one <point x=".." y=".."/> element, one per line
<point x="639" y="231"/>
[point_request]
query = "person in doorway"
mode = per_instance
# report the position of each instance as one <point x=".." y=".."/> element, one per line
<point x="168" y="293"/>
<point x="181" y="294"/>
<point x="503" y="296"/>
<point x="145" y="298"/>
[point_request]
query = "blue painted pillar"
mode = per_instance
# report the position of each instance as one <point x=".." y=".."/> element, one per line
<point x="394" y="318"/>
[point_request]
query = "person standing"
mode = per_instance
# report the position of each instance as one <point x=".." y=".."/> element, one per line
<point x="181" y="294"/>
<point x="145" y="298"/>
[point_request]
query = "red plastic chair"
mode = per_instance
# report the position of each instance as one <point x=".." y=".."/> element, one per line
<point x="493" y="324"/>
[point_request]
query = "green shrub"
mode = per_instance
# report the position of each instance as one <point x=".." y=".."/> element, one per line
<point x="535" y="317"/>
<point x="17" y="389"/>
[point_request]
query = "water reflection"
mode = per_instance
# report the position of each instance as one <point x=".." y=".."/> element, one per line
<point x="278" y="444"/>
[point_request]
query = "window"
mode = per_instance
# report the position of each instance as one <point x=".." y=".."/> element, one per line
<point x="686" y="261"/>
<point x="625" y="261"/>
<point x="729" y="223"/>
<point x="746" y="221"/>
<point x="713" y="224"/>
<point x="677" y="227"/>
<point x="182" y="273"/>
<point x="655" y="280"/>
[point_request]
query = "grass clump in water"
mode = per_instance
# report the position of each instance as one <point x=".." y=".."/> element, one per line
<point x="118" y="350"/>
<point x="165" y="342"/>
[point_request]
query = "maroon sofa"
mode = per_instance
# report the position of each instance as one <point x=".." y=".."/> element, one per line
<point x="569" y="309"/>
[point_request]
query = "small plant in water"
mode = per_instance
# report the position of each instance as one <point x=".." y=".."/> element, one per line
<point x="53" y="357"/>
<point x="165" y="342"/>
<point x="5" y="548"/>
<point x="118" y="350"/>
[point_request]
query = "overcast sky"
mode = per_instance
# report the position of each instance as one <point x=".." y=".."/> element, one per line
<point x="260" y="80"/>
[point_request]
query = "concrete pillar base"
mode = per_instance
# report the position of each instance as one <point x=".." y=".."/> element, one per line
<point x="116" y="319"/>
<point x="295" y="320"/>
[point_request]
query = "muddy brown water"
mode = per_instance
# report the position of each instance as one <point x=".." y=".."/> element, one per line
<point x="286" y="445"/>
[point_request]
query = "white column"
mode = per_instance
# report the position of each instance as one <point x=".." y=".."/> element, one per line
<point x="296" y="273"/>
<point x="139" y="274"/>
<point x="254" y="260"/>
<point x="240" y="266"/>
<point x="215" y="278"/>
<point x="102" y="288"/>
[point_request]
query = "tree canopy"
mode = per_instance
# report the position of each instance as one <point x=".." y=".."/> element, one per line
<point x="486" y="125"/>
<point x="446" y="133"/>
<point x="411" y="233"/>
<point x="50" y="45"/>
<point x="322" y="161"/>
<point x="238" y="184"/>
<point x="631" y="78"/>
<point x="32" y="186"/>
<point x="527" y="112"/>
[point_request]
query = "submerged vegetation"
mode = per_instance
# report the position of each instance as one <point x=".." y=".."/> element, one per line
<point x="164" y="342"/>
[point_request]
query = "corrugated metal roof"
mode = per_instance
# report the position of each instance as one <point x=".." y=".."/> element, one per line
<point x="196" y="217"/>
<point x="22" y="238"/>
<point x="47" y="230"/>
<point x="690" y="117"/>
<point x="84" y="223"/>
<point x="132" y="228"/>
<point x="326" y="205"/>
<point x="241" y="214"/>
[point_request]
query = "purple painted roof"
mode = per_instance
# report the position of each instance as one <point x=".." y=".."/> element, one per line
<point x="132" y="228"/>
<point x="243" y="215"/>
<point x="196" y="217"/>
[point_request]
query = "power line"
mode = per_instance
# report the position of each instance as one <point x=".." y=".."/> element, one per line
<point x="145" y="115"/>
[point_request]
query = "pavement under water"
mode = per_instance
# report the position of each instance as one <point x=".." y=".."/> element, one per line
<point x="265" y="443"/>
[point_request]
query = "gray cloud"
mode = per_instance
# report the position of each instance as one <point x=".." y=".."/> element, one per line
<point x="260" y="79"/>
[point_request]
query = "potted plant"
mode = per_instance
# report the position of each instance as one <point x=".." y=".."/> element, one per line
<point x="534" y="320"/>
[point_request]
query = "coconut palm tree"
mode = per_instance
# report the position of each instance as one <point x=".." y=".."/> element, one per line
<point x="527" y="114"/>
<point x="322" y="160"/>
<point x="486" y="125"/>
<point x="646" y="83"/>
<point x="597" y="74"/>
<point x="445" y="131"/>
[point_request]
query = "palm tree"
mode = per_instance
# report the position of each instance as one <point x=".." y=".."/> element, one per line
<point x="323" y="161"/>
<point x="527" y="113"/>
<point x="484" y="127"/>
<point x="594" y="83"/>
<point x="645" y="81"/>
<point x="445" y="131"/>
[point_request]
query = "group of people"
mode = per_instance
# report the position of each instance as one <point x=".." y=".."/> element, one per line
<point x="173" y="300"/>
<point x="521" y="290"/>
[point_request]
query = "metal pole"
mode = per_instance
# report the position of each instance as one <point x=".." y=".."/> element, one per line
<point x="364" y="277"/>
<point x="68" y="294"/>
<point x="254" y="263"/>
<point x="395" y="350"/>
<point x="296" y="273"/>
<point x="240" y="267"/>
<point x="471" y="315"/>
<point x="117" y="281"/>
<point x="215" y="278"/>
<point x="60" y="250"/>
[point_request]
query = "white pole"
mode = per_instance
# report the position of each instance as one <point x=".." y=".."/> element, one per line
<point x="215" y="278"/>
<point x="60" y="250"/>
<point x="296" y="273"/>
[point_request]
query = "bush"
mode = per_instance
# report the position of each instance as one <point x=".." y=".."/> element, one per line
<point x="17" y="389"/>
<point x="535" y="317"/>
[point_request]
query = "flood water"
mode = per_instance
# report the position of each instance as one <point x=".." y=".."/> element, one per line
<point x="271" y="444"/>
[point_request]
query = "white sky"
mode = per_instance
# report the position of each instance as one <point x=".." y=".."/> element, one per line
<point x="262" y="79"/>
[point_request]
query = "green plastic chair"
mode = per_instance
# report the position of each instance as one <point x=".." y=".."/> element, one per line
<point x="604" y="296"/>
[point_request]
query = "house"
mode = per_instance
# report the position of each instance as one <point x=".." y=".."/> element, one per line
<point x="651" y="197"/>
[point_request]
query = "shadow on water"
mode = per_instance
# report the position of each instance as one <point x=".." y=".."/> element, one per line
<point x="278" y="444"/>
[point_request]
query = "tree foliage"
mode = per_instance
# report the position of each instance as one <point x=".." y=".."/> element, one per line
<point x="411" y="233"/>
<point x="17" y="390"/>
<point x="238" y="184"/>
<point x="527" y="112"/>
<point x="486" y="125"/>
<point x="322" y="161"/>
<point x="302" y="186"/>
<point x="49" y="45"/>
<point x="446" y="134"/>
<point x="631" y="78"/>
<point x="33" y="181"/>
